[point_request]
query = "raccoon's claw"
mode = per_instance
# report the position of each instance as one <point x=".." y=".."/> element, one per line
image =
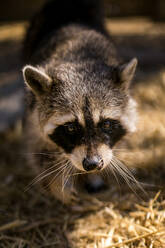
<point x="70" y="197"/>
<point x="74" y="197"/>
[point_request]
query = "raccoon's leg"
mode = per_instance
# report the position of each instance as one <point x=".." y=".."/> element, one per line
<point x="67" y="194"/>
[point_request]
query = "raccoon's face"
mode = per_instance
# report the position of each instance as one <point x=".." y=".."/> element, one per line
<point x="84" y="110"/>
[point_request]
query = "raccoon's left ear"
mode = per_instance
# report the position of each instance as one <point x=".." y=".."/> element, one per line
<point x="36" y="79"/>
<point x="127" y="71"/>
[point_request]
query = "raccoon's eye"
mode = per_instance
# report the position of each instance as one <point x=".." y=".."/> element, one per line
<point x="109" y="125"/>
<point x="70" y="127"/>
<point x="106" y="124"/>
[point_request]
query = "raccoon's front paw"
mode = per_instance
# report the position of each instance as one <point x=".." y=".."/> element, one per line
<point x="68" y="196"/>
<point x="74" y="199"/>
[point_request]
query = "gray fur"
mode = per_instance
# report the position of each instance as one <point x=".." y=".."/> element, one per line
<point x="76" y="62"/>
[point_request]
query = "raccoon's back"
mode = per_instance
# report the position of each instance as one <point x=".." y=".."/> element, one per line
<point x="58" y="13"/>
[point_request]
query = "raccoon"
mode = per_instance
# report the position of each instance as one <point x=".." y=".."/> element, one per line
<point x="78" y="99"/>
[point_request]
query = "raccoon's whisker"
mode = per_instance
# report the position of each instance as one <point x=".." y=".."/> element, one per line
<point x="64" y="175"/>
<point x="127" y="175"/>
<point x="42" y="176"/>
<point x="57" y="162"/>
<point x="41" y="153"/>
<point x="38" y="180"/>
<point x="58" y="174"/>
<point x="70" y="170"/>
<point x="127" y="171"/>
<point x="152" y="186"/>
<point x="68" y="174"/>
<point x="55" y="177"/>
<point x="124" y="169"/>
<point x="112" y="169"/>
<point x="82" y="173"/>
<point x="134" y="183"/>
<point x="49" y="169"/>
<point x="73" y="179"/>
<point x="51" y="172"/>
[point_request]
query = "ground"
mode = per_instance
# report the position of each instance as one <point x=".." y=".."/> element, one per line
<point x="129" y="219"/>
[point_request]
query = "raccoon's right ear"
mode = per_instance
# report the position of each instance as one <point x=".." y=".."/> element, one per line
<point x="37" y="80"/>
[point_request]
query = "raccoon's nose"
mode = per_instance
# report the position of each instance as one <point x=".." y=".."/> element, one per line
<point x="92" y="163"/>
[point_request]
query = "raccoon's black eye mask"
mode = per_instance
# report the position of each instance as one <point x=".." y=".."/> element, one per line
<point x="71" y="127"/>
<point x="68" y="136"/>
<point x="112" y="131"/>
<point x="108" y="125"/>
<point x="72" y="134"/>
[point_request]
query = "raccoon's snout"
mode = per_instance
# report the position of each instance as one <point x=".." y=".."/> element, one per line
<point x="90" y="164"/>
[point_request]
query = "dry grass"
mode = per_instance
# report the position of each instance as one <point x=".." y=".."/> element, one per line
<point x="35" y="219"/>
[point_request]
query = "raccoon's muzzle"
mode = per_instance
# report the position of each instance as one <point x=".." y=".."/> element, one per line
<point x="95" y="163"/>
